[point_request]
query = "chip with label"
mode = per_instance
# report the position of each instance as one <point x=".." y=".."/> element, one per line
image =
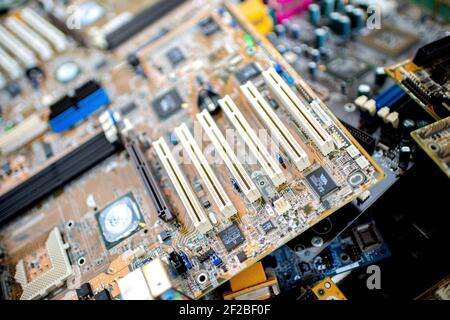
<point x="167" y="104"/>
<point x="321" y="182"/>
<point x="247" y="73"/>
<point x="231" y="237"/>
<point x="268" y="226"/>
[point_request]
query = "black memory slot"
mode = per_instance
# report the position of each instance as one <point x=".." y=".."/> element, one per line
<point x="55" y="175"/>
<point x="149" y="180"/>
<point x="141" y="21"/>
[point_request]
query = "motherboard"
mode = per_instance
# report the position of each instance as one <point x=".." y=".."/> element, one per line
<point x="156" y="145"/>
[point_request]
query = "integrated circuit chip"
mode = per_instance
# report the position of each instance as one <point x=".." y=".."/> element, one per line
<point x="347" y="68"/>
<point x="231" y="237"/>
<point x="209" y="26"/>
<point x="321" y="182"/>
<point x="268" y="226"/>
<point x="367" y="237"/>
<point x="175" y="56"/>
<point x="167" y="104"/>
<point x="390" y="40"/>
<point x="241" y="256"/>
<point x="247" y="73"/>
<point x="119" y="220"/>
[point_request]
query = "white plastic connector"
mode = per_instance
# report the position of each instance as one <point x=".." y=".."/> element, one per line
<point x="45" y="28"/>
<point x="266" y="161"/>
<point x="208" y="176"/>
<point x="226" y="153"/>
<point x="25" y="55"/>
<point x="302" y="115"/>
<point x="30" y="37"/>
<point x="276" y="126"/>
<point x="184" y="190"/>
<point x="11" y="67"/>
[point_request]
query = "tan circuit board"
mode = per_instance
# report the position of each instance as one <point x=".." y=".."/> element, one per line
<point x="287" y="199"/>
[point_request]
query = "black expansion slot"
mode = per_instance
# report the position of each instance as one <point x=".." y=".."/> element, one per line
<point x="55" y="175"/>
<point x="141" y="21"/>
<point x="149" y="180"/>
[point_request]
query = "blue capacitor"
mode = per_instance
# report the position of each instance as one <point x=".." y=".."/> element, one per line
<point x="357" y="19"/>
<point x="321" y="38"/>
<point x="280" y="30"/>
<point x="294" y="31"/>
<point x="345" y="27"/>
<point x="339" y="5"/>
<point x="314" y="14"/>
<point x="327" y="7"/>
<point x="312" y="68"/>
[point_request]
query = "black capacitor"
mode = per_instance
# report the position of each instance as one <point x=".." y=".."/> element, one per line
<point x="404" y="158"/>
<point x="408" y="125"/>
<point x="208" y="99"/>
<point x="380" y="76"/>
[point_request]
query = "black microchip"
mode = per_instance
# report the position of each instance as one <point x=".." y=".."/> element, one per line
<point x="167" y="104"/>
<point x="84" y="291"/>
<point x="321" y="182"/>
<point x="268" y="226"/>
<point x="175" y="56"/>
<point x="347" y="68"/>
<point x="209" y="26"/>
<point x="231" y="237"/>
<point x="102" y="295"/>
<point x="367" y="237"/>
<point x="241" y="256"/>
<point x="247" y="73"/>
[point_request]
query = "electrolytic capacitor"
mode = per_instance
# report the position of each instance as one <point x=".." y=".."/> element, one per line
<point x="357" y="19"/>
<point x="334" y="21"/>
<point x="327" y="7"/>
<point x="404" y="158"/>
<point x="339" y="5"/>
<point x="321" y="38"/>
<point x="344" y="27"/>
<point x="294" y="31"/>
<point x="280" y="30"/>
<point x="312" y="68"/>
<point x="364" y="90"/>
<point x="314" y="14"/>
<point x="380" y="76"/>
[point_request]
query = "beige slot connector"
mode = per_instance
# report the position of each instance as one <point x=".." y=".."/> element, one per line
<point x="266" y="161"/>
<point x="276" y="127"/>
<point x="226" y="153"/>
<point x="218" y="194"/>
<point x="187" y="196"/>
<point x="301" y="114"/>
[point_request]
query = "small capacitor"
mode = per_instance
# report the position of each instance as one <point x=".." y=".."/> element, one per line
<point x="321" y="38"/>
<point x="327" y="7"/>
<point x="404" y="158"/>
<point x="348" y="9"/>
<point x="312" y="68"/>
<point x="294" y="31"/>
<point x="339" y="5"/>
<point x="280" y="30"/>
<point x="315" y="54"/>
<point x="297" y="50"/>
<point x="344" y="27"/>
<point x="357" y="19"/>
<point x="380" y="76"/>
<point x="334" y="21"/>
<point x="364" y="90"/>
<point x="314" y="14"/>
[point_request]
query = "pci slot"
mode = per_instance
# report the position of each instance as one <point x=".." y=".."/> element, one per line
<point x="276" y="126"/>
<point x="149" y="180"/>
<point x="268" y="164"/>
<point x="25" y="55"/>
<point x="28" y="36"/>
<point x="187" y="196"/>
<point x="226" y="153"/>
<point x="11" y="67"/>
<point x="218" y="194"/>
<point x="45" y="28"/>
<point x="301" y="114"/>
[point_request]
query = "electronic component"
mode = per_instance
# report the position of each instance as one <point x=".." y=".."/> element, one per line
<point x="119" y="220"/>
<point x="347" y="68"/>
<point x="268" y="226"/>
<point x="243" y="181"/>
<point x="67" y="72"/>
<point x="367" y="237"/>
<point x="247" y="73"/>
<point x="327" y="290"/>
<point x="304" y="118"/>
<point x="390" y="40"/>
<point x="276" y="126"/>
<point x="209" y="26"/>
<point x="215" y="189"/>
<point x="321" y="182"/>
<point x="175" y="56"/>
<point x="102" y="295"/>
<point x="246" y="132"/>
<point x="241" y="256"/>
<point x="187" y="196"/>
<point x="60" y="270"/>
<point x="84" y="291"/>
<point x="231" y="237"/>
<point x="167" y="104"/>
<point x="281" y="206"/>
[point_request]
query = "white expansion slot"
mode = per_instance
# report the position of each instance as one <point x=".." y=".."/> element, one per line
<point x="301" y="114"/>
<point x="269" y="165"/>
<point x="11" y="67"/>
<point x="233" y="164"/>
<point x="276" y="126"/>
<point x="45" y="28"/>
<point x="30" y="37"/>
<point x="187" y="196"/>
<point x="25" y="55"/>
<point x="218" y="194"/>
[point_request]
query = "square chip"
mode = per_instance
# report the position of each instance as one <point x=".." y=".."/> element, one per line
<point x="247" y="73"/>
<point x="390" y="40"/>
<point x="241" y="256"/>
<point x="119" y="220"/>
<point x="209" y="26"/>
<point x="321" y="182"/>
<point x="167" y="104"/>
<point x="268" y="226"/>
<point x="175" y="56"/>
<point x="347" y="68"/>
<point x="231" y="237"/>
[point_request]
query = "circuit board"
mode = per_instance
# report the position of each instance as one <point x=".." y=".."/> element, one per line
<point x="360" y="246"/>
<point x="106" y="218"/>
<point x="434" y="139"/>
